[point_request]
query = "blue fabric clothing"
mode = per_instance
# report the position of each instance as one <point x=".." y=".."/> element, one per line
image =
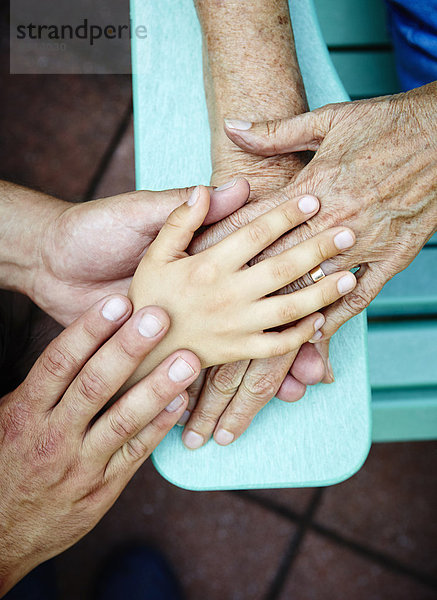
<point x="413" y="26"/>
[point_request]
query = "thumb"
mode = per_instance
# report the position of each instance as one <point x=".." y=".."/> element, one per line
<point x="304" y="132"/>
<point x="178" y="230"/>
<point x="155" y="207"/>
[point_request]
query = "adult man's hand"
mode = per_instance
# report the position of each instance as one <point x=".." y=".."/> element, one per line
<point x="64" y="462"/>
<point x="374" y="171"/>
<point x="67" y="256"/>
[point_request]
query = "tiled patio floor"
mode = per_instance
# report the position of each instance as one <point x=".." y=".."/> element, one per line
<point x="373" y="537"/>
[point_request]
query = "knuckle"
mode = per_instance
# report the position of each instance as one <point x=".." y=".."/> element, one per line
<point x="15" y="420"/>
<point x="234" y="221"/>
<point x="127" y="350"/>
<point x="357" y="300"/>
<point x="327" y="295"/>
<point x="46" y="448"/>
<point x="282" y="271"/>
<point x="158" y="392"/>
<point x="205" y="271"/>
<point x="259" y="233"/>
<point x="91" y="329"/>
<point x="260" y="386"/>
<point x="123" y="424"/>
<point x="288" y="213"/>
<point x="224" y="381"/>
<point x="203" y="416"/>
<point x="287" y="313"/>
<point x="279" y="349"/>
<point x="92" y="386"/>
<point x="182" y="194"/>
<point x="272" y="127"/>
<point x="135" y="449"/>
<point x="57" y="361"/>
<point x="241" y="416"/>
<point x="321" y="248"/>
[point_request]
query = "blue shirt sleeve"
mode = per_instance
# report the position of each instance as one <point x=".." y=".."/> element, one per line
<point x="413" y="27"/>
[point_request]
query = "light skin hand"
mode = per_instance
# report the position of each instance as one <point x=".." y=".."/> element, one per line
<point x="67" y="256"/>
<point x="221" y="310"/>
<point x="374" y="171"/>
<point x="250" y="70"/>
<point x="61" y="467"/>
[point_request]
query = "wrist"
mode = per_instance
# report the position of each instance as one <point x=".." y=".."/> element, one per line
<point x="26" y="216"/>
<point x="10" y="575"/>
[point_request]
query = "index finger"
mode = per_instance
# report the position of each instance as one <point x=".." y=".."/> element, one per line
<point x="65" y="356"/>
<point x="241" y="246"/>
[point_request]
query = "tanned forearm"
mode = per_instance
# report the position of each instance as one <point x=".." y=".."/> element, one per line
<point x="24" y="218"/>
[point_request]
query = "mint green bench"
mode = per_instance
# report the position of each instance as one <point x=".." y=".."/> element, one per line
<point x="326" y="437"/>
<point x="403" y="318"/>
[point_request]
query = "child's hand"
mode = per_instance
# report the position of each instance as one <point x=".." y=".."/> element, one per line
<point x="218" y="307"/>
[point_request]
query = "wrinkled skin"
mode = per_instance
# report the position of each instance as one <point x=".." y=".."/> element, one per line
<point x="374" y="171"/>
<point x="64" y="461"/>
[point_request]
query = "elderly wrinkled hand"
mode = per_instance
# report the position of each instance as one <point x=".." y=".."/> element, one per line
<point x="374" y="171"/>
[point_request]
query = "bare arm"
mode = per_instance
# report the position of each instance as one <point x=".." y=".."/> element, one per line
<point x="251" y="72"/>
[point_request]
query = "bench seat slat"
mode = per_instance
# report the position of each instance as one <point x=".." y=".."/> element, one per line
<point x="411" y="292"/>
<point x="402" y="354"/>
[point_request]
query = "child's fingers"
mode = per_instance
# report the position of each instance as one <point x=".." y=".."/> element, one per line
<point x="180" y="226"/>
<point x="238" y="248"/>
<point x="267" y="345"/>
<point x="280" y="310"/>
<point x="278" y="271"/>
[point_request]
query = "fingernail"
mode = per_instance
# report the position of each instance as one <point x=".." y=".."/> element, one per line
<point x="318" y="324"/>
<point x="346" y="284"/>
<point x="317" y="336"/>
<point x="344" y="240"/>
<point x="180" y="370"/>
<point x="308" y="204"/>
<point x="175" y="404"/>
<point x="238" y="124"/>
<point x="193" y="440"/>
<point x="226" y="186"/>
<point x="114" y="309"/>
<point x="149" y="326"/>
<point x="194" y="197"/>
<point x="224" y="437"/>
<point x="184" y="419"/>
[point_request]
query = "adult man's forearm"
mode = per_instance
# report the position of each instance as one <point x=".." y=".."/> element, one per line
<point x="251" y="69"/>
<point x="24" y="218"/>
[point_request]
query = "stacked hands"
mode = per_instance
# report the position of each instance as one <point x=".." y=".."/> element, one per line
<point x="66" y="450"/>
<point x="202" y="311"/>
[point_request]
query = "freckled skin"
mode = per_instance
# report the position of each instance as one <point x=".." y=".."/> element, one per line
<point x="375" y="172"/>
<point x="250" y="72"/>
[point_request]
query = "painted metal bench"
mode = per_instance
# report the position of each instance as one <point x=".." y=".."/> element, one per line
<point x="403" y="318"/>
<point x="326" y="437"/>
